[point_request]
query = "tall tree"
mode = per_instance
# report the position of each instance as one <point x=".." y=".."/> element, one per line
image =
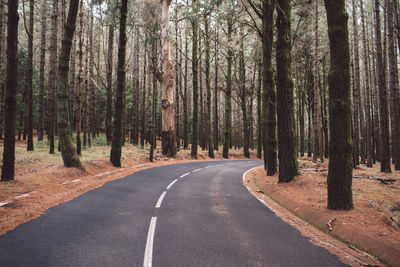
<point x="288" y="166"/>
<point x="228" y="96"/>
<point x="80" y="81"/>
<point x="29" y="73"/>
<point x="177" y="79"/>
<point x="166" y="78"/>
<point x="41" y="75"/>
<point x="92" y="104"/>
<point x="216" y="144"/>
<point x="52" y="76"/>
<point x="356" y="90"/>
<point x="2" y="83"/>
<point x="209" y="134"/>
<point x="243" y="97"/>
<point x="341" y="146"/>
<point x="383" y="103"/>
<point x="109" y="78"/>
<point x="317" y="100"/>
<point x="185" y="98"/>
<point x="8" y="168"/>
<point x="195" y="59"/>
<point x="68" y="151"/>
<point x="116" y="150"/>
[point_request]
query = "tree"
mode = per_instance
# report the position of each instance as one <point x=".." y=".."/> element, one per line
<point x="80" y="81"/>
<point x="116" y="150"/>
<point x="52" y="75"/>
<point x="341" y="145"/>
<point x="29" y="74"/>
<point x="288" y="166"/>
<point x="195" y="59"/>
<point x="209" y="134"/>
<point x="216" y="92"/>
<point x="383" y="103"/>
<point x="42" y="64"/>
<point x="7" y="171"/>
<point x="68" y="151"/>
<point x="166" y="78"/>
<point x="109" y="79"/>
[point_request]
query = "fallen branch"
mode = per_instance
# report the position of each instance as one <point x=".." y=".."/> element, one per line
<point x="383" y="180"/>
<point x="314" y="170"/>
<point x="330" y="224"/>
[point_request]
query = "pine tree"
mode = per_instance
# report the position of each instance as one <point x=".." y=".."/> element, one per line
<point x="341" y="145"/>
<point x="41" y="75"/>
<point x="195" y="59"/>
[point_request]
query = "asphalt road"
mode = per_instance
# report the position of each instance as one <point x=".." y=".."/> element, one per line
<point x="192" y="214"/>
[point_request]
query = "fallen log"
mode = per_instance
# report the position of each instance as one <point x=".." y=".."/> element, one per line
<point x="383" y="180"/>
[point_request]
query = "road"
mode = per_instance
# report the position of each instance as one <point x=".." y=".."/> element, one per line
<point x="192" y="214"/>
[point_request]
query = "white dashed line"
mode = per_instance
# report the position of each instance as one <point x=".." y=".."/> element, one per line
<point x="197" y="170"/>
<point x="208" y="167"/>
<point x="148" y="254"/>
<point x="183" y="175"/>
<point x="171" y="184"/>
<point x="160" y="199"/>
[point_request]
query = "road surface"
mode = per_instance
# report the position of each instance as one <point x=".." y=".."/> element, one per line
<point x="192" y="214"/>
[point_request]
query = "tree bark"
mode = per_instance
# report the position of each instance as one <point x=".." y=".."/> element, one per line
<point x="216" y="143"/>
<point x="288" y="166"/>
<point x="42" y="71"/>
<point x="383" y="103"/>
<point x="8" y="168"/>
<point x="166" y="77"/>
<point x="195" y="29"/>
<point x="317" y="103"/>
<point x="209" y="134"/>
<point x="116" y="150"/>
<point x="341" y="145"/>
<point x="109" y="82"/>
<point x="228" y="104"/>
<point x="29" y="80"/>
<point x="68" y="152"/>
<point x="80" y="81"/>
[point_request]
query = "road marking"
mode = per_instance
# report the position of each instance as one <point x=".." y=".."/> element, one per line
<point x="208" y="167"/>
<point x="171" y="184"/>
<point x="74" y="181"/>
<point x="197" y="170"/>
<point x="160" y="199"/>
<point x="148" y="253"/>
<point x="244" y="174"/>
<point x="183" y="175"/>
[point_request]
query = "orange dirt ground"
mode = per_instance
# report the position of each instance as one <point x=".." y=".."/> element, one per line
<point x="373" y="225"/>
<point x="42" y="182"/>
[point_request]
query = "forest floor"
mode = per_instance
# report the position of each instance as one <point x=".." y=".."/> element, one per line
<point x="372" y="226"/>
<point x="41" y="180"/>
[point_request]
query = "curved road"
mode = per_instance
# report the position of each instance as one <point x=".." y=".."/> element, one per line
<point x="192" y="214"/>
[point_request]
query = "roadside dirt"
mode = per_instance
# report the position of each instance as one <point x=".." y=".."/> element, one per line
<point x="42" y="182"/>
<point x="372" y="226"/>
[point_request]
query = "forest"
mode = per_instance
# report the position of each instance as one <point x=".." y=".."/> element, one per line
<point x="281" y="78"/>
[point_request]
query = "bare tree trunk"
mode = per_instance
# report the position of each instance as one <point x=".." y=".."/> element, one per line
<point x="29" y="73"/>
<point x="8" y="168"/>
<point x="383" y="104"/>
<point x="68" y="152"/>
<point x="80" y="81"/>
<point x="185" y="99"/>
<point x="143" y="122"/>
<point x="42" y="71"/>
<point x="317" y="103"/>
<point x="2" y="78"/>
<point x="109" y="82"/>
<point x="195" y="29"/>
<point x="209" y="134"/>
<point x="177" y="79"/>
<point x="53" y="75"/>
<point x="166" y="78"/>
<point x="90" y="129"/>
<point x="216" y="92"/>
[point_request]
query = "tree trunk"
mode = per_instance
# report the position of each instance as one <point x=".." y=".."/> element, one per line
<point x="341" y="144"/>
<point x="195" y="29"/>
<point x="209" y="134"/>
<point x="185" y="99"/>
<point x="288" y="166"/>
<point x="8" y="168"/>
<point x="68" y="152"/>
<point x="90" y="129"/>
<point x="394" y="85"/>
<point x="80" y="80"/>
<point x="356" y="90"/>
<point x="177" y="79"/>
<point x="216" y="143"/>
<point x="116" y="150"/>
<point x="317" y="102"/>
<point x="243" y="97"/>
<point x="109" y="82"/>
<point x="259" y="109"/>
<point x="166" y="78"/>
<point x="42" y="71"/>
<point x="269" y="94"/>
<point x="53" y="75"/>
<point x="143" y="122"/>
<point x="135" y="93"/>
<point x="29" y="80"/>
<point x="152" y="126"/>
<point x="383" y="103"/>
<point x="228" y="105"/>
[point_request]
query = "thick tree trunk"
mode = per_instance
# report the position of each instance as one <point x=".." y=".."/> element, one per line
<point x="116" y="150"/>
<point x="259" y="109"/>
<point x="2" y="79"/>
<point x="288" y="166"/>
<point x="153" y="105"/>
<point x="317" y="101"/>
<point x="269" y="94"/>
<point x="143" y="122"/>
<point x="90" y="125"/>
<point x="185" y="99"/>
<point x="243" y="97"/>
<point x="135" y="93"/>
<point x="341" y="145"/>
<point x="68" y="152"/>
<point x="178" y="77"/>
<point x="383" y="103"/>
<point x="166" y="78"/>
<point x="52" y="76"/>
<point x="195" y="29"/>
<point x="42" y="71"/>
<point x="8" y="168"/>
